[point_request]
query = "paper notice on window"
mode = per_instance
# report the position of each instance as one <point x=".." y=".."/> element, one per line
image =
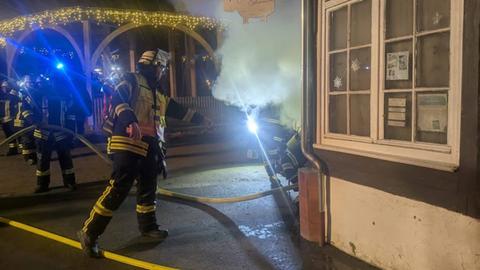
<point x="432" y="112"/>
<point x="397" y="66"/>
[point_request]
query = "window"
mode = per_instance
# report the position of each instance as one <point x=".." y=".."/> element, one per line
<point x="390" y="80"/>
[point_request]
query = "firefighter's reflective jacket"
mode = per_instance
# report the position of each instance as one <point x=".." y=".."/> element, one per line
<point x="8" y="106"/>
<point x="24" y="110"/>
<point x="133" y="101"/>
<point x="52" y="107"/>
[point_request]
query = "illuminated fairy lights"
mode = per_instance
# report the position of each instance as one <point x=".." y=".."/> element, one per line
<point x="64" y="16"/>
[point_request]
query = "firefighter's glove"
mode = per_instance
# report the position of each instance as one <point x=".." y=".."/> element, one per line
<point x="134" y="132"/>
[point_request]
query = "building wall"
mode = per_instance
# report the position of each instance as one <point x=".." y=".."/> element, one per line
<point x="395" y="232"/>
<point x="399" y="216"/>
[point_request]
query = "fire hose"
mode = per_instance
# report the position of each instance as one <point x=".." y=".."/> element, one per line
<point x="160" y="191"/>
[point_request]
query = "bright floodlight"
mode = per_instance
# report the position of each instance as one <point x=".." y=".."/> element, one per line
<point x="252" y="126"/>
<point x="60" y="65"/>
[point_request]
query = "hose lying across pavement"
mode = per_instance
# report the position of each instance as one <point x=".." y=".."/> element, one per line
<point x="161" y="191"/>
<point x="69" y="242"/>
<point x="110" y="255"/>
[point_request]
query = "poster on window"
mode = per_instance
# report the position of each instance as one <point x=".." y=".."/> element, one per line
<point x="432" y="112"/>
<point x="397" y="66"/>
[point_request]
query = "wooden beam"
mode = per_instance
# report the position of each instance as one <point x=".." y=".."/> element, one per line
<point x="88" y="66"/>
<point x="173" y="66"/>
<point x="191" y="66"/>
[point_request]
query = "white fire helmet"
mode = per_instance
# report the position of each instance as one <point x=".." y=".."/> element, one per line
<point x="158" y="58"/>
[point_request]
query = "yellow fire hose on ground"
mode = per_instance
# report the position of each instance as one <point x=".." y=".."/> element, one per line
<point x="164" y="192"/>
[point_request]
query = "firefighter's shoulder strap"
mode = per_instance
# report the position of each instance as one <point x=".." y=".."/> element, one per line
<point x="129" y="79"/>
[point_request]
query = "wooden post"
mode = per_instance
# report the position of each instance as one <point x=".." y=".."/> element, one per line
<point x="173" y="66"/>
<point x="88" y="67"/>
<point x="9" y="51"/>
<point x="132" y="50"/>
<point x="192" y="66"/>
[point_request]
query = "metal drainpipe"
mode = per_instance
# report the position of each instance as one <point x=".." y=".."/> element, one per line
<point x="309" y="60"/>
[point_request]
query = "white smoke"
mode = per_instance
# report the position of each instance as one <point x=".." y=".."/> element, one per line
<point x="260" y="61"/>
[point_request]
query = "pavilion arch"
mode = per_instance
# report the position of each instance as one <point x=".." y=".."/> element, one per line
<point x="62" y="31"/>
<point x="125" y="28"/>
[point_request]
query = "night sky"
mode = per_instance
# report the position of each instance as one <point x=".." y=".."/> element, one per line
<point x="12" y="8"/>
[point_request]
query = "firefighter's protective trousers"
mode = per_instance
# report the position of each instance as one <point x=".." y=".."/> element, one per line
<point x="128" y="167"/>
<point x="47" y="141"/>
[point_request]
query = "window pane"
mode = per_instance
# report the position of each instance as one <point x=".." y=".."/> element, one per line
<point x="338" y="29"/>
<point x="360" y="69"/>
<point x="399" y="18"/>
<point x="337" y="118"/>
<point x="432" y="14"/>
<point x="360" y="115"/>
<point x="398" y="65"/>
<point x="338" y="72"/>
<point x="432" y="117"/>
<point x="361" y="23"/>
<point x="433" y="61"/>
<point x="398" y="111"/>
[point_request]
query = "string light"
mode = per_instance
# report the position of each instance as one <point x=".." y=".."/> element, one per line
<point x="64" y="16"/>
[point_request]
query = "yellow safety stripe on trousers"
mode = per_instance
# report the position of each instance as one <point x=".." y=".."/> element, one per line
<point x="278" y="139"/>
<point x="89" y="219"/>
<point x="109" y="141"/>
<point x="28" y="151"/>
<point x="26" y="114"/>
<point x="143" y="209"/>
<point x="292" y="158"/>
<point x="7" y="109"/>
<point x="126" y="147"/>
<point x="6" y="119"/>
<point x="99" y="201"/>
<point x="39" y="134"/>
<point x="45" y="173"/>
<point x="68" y="171"/>
<point x="101" y="210"/>
<point x="75" y="244"/>
<point x="11" y="145"/>
<point x="287" y="166"/>
<point x="60" y="136"/>
<point x="123" y="139"/>
<point x="188" y="116"/>
<point x="121" y="108"/>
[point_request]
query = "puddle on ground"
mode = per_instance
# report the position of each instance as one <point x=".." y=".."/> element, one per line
<point x="262" y="231"/>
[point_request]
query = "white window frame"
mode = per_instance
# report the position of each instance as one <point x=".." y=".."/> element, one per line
<point x="436" y="156"/>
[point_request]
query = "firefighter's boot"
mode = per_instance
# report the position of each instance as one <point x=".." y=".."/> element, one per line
<point x="43" y="181"/>
<point x="89" y="245"/>
<point x="69" y="179"/>
<point x="12" y="150"/>
<point x="156" y="234"/>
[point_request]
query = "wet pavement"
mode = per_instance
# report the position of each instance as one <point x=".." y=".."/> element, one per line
<point x="257" y="234"/>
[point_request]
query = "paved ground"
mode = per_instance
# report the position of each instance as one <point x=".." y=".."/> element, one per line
<point x="258" y="234"/>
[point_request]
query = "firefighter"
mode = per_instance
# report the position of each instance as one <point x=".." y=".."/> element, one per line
<point x="292" y="159"/>
<point x="273" y="136"/>
<point x="24" y="118"/>
<point x="54" y="107"/>
<point x="138" y="116"/>
<point x="8" y="103"/>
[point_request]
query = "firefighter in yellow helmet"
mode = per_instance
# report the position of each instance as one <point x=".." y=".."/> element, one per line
<point x="137" y="123"/>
